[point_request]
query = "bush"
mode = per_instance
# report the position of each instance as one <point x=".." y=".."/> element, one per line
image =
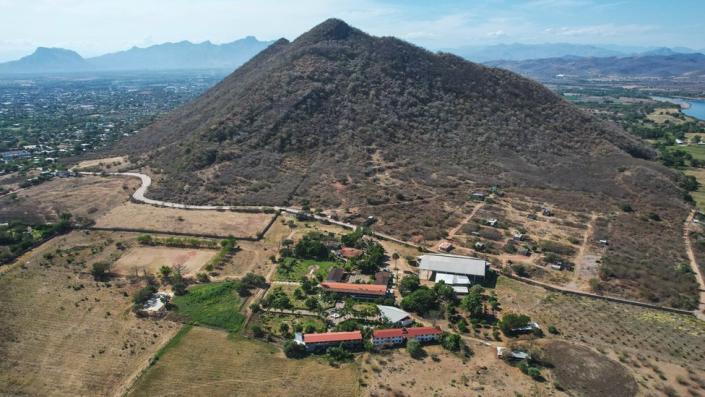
<point x="100" y="270"/>
<point x="420" y="301"/>
<point x="451" y="342"/>
<point x="414" y="348"/>
<point x="512" y="321"/>
<point x="203" y="277"/>
<point x="257" y="331"/>
<point x="552" y="329"/>
<point x="141" y="296"/>
<point x="179" y="288"/>
<point x="294" y="350"/>
<point x="338" y="354"/>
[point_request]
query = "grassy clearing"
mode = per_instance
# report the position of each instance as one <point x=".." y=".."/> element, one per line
<point x="208" y="362"/>
<point x="698" y="195"/>
<point x="216" y="305"/>
<point x="302" y="267"/>
<point x="271" y="323"/>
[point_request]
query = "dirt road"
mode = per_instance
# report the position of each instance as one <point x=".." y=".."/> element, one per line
<point x="700" y="313"/>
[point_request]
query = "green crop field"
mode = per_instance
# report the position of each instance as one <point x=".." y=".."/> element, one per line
<point x="214" y="304"/>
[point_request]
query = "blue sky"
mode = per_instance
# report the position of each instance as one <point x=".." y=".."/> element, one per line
<point x="93" y="27"/>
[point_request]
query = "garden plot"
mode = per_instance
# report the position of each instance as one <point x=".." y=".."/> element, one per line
<point x="150" y="259"/>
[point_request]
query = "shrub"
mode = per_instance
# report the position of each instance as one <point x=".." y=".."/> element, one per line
<point x="294" y="350"/>
<point x="257" y="331"/>
<point x="552" y="329"/>
<point x="512" y="321"/>
<point x="414" y="348"/>
<point x="451" y="342"/>
<point x="179" y="288"/>
<point x="100" y="270"/>
<point x="203" y="277"/>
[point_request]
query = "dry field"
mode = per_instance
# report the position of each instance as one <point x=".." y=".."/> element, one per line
<point x="86" y="197"/>
<point x="662" y="350"/>
<point x="662" y="115"/>
<point x="440" y="373"/>
<point x="210" y="363"/>
<point x="62" y="333"/>
<point x="111" y="164"/>
<point x="150" y="259"/>
<point x="218" y="223"/>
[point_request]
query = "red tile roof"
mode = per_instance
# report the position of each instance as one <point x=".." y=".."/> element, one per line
<point x="332" y="337"/>
<point x="388" y="333"/>
<point x="349" y="252"/>
<point x="350" y="288"/>
<point x="417" y="331"/>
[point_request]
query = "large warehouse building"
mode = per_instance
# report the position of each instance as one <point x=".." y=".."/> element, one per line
<point x="455" y="270"/>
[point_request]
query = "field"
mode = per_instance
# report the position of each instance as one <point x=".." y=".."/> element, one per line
<point x="271" y="322"/>
<point x="86" y="197"/>
<point x="218" y="223"/>
<point x="662" y="350"/>
<point x="440" y="373"/>
<point x="111" y="164"/>
<point x="62" y="333"/>
<point x="663" y="115"/>
<point x="152" y="258"/>
<point x="215" y="305"/>
<point x="209" y="362"/>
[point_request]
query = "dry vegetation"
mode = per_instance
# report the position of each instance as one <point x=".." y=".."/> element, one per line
<point x="208" y="362"/>
<point x="660" y="349"/>
<point x="218" y="223"/>
<point x="111" y="164"/>
<point x="87" y="197"/>
<point x="64" y="334"/>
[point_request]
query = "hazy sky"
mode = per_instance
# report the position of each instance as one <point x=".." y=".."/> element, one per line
<point x="93" y="27"/>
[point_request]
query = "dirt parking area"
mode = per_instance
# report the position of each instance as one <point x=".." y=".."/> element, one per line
<point x="150" y="259"/>
<point x="85" y="197"/>
<point x="217" y="223"/>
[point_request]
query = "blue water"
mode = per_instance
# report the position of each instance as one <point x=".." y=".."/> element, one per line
<point x="696" y="109"/>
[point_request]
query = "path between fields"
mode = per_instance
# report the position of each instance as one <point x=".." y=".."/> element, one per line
<point x="580" y="257"/>
<point x="467" y="219"/>
<point x="700" y="313"/>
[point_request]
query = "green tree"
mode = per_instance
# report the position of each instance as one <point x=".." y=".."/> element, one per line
<point x="294" y="350"/>
<point x="165" y="271"/>
<point x="100" y="270"/>
<point x="451" y="342"/>
<point x="472" y="302"/>
<point x="409" y="284"/>
<point x="511" y="321"/>
<point x="420" y="301"/>
<point x="414" y="348"/>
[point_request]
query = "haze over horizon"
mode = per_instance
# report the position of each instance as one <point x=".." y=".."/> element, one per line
<point x="95" y="28"/>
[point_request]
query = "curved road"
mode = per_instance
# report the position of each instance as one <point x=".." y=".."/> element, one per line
<point x="139" y="195"/>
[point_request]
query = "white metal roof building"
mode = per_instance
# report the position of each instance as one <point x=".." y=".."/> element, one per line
<point x="453" y="264"/>
<point x="395" y="315"/>
<point x="452" y="279"/>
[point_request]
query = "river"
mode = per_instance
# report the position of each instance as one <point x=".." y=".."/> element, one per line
<point x="693" y="107"/>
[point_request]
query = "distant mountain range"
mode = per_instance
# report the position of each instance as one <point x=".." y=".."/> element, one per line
<point x="181" y="55"/>
<point x="520" y="52"/>
<point x="641" y="66"/>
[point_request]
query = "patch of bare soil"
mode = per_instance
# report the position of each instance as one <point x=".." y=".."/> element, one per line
<point x="150" y="259"/>
<point x="85" y="197"/>
<point x="218" y="223"/>
<point x="588" y="373"/>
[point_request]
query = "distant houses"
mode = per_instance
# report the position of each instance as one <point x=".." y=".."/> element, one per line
<point x="15" y="155"/>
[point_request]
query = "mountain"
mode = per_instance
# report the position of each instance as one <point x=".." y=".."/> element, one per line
<point x="664" y="66"/>
<point x="363" y="125"/>
<point x="47" y="60"/>
<point x="182" y="55"/>
<point x="517" y="51"/>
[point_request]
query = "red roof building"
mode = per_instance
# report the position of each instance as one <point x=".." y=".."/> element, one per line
<point x="398" y="336"/>
<point x="359" y="290"/>
<point x="327" y="339"/>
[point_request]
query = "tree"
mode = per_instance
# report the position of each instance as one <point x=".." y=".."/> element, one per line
<point x="312" y="303"/>
<point x="420" y="301"/>
<point x="100" y="270"/>
<point x="472" y="302"/>
<point x="444" y="291"/>
<point x="165" y="271"/>
<point x="371" y="260"/>
<point x="338" y="354"/>
<point x="284" y="329"/>
<point x="512" y="321"/>
<point x="311" y="247"/>
<point x="414" y="348"/>
<point x="409" y="284"/>
<point x="203" y="277"/>
<point x="308" y="286"/>
<point x="179" y="288"/>
<point x="451" y="342"/>
<point x="294" y="350"/>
